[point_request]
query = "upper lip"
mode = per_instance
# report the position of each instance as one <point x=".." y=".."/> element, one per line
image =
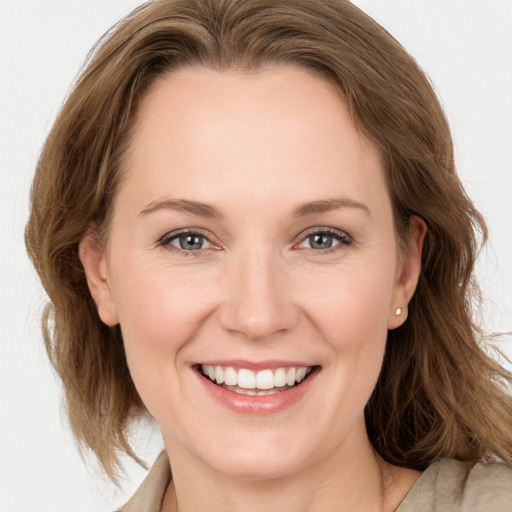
<point x="271" y="364"/>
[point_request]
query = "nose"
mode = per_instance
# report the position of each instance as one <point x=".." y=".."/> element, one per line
<point x="258" y="300"/>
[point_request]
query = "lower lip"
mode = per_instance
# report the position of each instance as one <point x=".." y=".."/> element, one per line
<point x="258" y="405"/>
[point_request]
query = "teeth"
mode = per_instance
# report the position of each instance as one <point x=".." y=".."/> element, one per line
<point x="230" y="376"/>
<point x="254" y="392"/>
<point x="265" y="379"/>
<point x="290" y="377"/>
<point x="246" y="379"/>
<point x="280" y="378"/>
<point x="249" y="381"/>
<point x="300" y="374"/>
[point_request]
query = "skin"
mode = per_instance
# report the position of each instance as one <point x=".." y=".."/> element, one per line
<point x="257" y="147"/>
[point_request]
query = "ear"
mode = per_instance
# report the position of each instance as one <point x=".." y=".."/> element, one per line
<point x="94" y="262"/>
<point x="408" y="273"/>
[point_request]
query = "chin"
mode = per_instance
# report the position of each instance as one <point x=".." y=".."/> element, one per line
<point x="251" y="467"/>
<point x="259" y="457"/>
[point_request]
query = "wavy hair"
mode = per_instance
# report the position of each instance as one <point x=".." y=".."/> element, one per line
<point x="439" y="394"/>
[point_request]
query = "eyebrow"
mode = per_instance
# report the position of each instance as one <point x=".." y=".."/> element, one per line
<point x="208" y="211"/>
<point x="327" y="205"/>
<point x="183" y="205"/>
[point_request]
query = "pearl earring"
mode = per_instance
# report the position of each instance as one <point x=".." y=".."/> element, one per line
<point x="398" y="311"/>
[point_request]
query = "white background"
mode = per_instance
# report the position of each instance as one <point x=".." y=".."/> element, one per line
<point x="464" y="45"/>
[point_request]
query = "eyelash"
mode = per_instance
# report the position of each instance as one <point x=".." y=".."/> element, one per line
<point x="166" y="240"/>
<point x="343" y="238"/>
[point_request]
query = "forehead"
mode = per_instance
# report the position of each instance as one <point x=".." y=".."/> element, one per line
<point x="217" y="134"/>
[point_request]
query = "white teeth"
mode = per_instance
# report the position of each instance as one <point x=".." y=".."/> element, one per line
<point x="219" y="375"/>
<point x="290" y="377"/>
<point x="263" y="380"/>
<point x="246" y="379"/>
<point x="230" y="376"/>
<point x="280" y="378"/>
<point x="300" y="374"/>
<point x="254" y="392"/>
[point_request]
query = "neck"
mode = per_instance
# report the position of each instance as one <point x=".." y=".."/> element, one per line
<point x="351" y="478"/>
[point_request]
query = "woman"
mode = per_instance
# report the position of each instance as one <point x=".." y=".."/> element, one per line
<point x="249" y="225"/>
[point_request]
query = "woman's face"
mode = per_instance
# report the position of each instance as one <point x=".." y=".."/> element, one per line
<point x="252" y="240"/>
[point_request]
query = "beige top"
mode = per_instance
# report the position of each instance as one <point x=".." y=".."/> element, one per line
<point x="446" y="486"/>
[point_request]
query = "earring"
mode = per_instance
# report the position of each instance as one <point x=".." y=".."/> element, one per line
<point x="398" y="311"/>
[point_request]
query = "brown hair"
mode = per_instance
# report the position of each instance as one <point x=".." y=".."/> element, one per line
<point x="439" y="394"/>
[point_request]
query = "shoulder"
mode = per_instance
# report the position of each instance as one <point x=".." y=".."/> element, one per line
<point x="478" y="487"/>
<point x="452" y="485"/>
<point x="150" y="494"/>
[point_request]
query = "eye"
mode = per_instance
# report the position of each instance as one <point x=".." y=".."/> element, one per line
<point x="323" y="240"/>
<point x="186" y="241"/>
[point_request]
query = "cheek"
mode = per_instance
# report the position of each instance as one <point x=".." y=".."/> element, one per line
<point x="159" y="311"/>
<point x="352" y="318"/>
<point x="354" y="305"/>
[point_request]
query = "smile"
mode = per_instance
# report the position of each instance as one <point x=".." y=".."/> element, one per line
<point x="248" y="382"/>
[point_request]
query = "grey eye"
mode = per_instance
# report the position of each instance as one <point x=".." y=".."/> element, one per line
<point x="189" y="242"/>
<point x="321" y="241"/>
<point x="325" y="240"/>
